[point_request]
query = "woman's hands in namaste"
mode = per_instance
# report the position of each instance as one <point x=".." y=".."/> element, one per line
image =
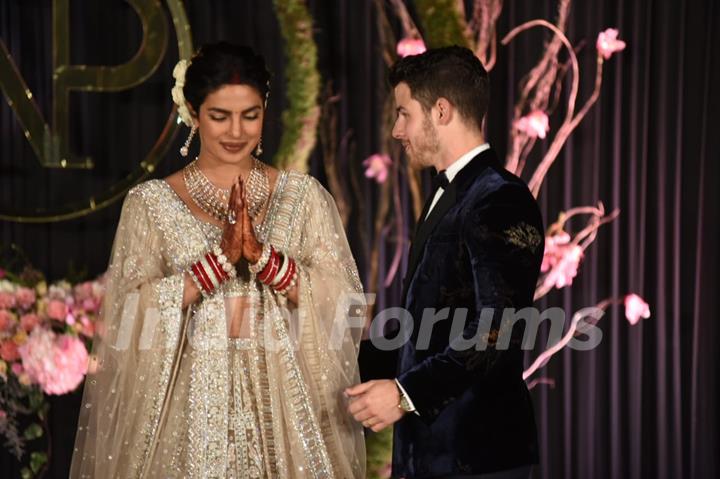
<point x="238" y="239"/>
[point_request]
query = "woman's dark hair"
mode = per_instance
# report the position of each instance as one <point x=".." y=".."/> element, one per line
<point x="219" y="64"/>
<point x="454" y="73"/>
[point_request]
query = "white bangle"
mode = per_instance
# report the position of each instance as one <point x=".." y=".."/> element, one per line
<point x="281" y="273"/>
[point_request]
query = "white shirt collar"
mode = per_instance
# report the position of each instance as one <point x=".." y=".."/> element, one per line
<point x="461" y="162"/>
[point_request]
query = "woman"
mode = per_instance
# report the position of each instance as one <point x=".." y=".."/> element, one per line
<point x="214" y="356"/>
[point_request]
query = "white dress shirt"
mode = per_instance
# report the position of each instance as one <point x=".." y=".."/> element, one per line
<point x="455" y="168"/>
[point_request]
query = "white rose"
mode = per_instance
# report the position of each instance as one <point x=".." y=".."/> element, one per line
<point x="179" y="72"/>
<point x="178" y="96"/>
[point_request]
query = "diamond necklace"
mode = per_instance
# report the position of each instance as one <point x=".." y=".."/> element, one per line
<point x="214" y="201"/>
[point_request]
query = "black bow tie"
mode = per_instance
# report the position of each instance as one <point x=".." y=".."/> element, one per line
<point x="440" y="181"/>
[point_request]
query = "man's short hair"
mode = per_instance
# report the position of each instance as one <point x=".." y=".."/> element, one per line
<point x="453" y="73"/>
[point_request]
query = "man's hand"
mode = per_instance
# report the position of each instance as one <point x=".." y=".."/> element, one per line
<point x="375" y="404"/>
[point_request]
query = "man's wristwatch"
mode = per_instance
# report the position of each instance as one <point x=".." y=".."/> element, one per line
<point x="404" y="401"/>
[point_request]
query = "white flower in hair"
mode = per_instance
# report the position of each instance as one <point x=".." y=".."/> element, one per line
<point x="177" y="92"/>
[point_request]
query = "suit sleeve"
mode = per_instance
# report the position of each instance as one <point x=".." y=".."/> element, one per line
<point x="503" y="239"/>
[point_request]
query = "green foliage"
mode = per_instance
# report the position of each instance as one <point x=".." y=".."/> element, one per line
<point x="33" y="431"/>
<point x="37" y="461"/>
<point x="443" y="24"/>
<point x="303" y="84"/>
<point x="379" y="451"/>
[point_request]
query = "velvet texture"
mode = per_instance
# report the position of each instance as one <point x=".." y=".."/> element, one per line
<point x="479" y="249"/>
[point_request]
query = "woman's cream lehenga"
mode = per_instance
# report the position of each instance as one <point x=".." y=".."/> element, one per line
<point x="169" y="393"/>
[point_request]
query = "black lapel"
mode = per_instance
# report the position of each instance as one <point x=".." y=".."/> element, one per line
<point x="446" y="201"/>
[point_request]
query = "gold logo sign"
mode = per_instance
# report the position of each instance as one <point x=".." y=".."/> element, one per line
<point x="50" y="142"/>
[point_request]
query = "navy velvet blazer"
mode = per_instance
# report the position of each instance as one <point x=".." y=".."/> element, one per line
<point x="481" y="247"/>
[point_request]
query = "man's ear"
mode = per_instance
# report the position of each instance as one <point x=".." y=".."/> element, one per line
<point x="444" y="111"/>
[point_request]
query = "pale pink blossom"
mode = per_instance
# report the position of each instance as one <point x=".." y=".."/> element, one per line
<point x="17" y="369"/>
<point x="29" y="321"/>
<point x="607" y="43"/>
<point x="636" y="308"/>
<point x="7" y="300"/>
<point x="565" y="270"/>
<point x="57" y="309"/>
<point x="7" y="320"/>
<point x="25" y="298"/>
<point x="555" y="246"/>
<point x="410" y="46"/>
<point x="535" y="124"/>
<point x="58" y="363"/>
<point x="377" y="167"/>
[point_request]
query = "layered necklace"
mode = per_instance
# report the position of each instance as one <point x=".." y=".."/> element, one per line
<point x="214" y="201"/>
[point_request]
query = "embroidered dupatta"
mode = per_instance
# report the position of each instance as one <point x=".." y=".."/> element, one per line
<point x="163" y="396"/>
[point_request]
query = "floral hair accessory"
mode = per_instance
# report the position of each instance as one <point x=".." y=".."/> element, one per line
<point x="177" y="92"/>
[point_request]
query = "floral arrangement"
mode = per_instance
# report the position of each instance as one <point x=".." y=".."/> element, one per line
<point x="178" y="95"/>
<point x="45" y="334"/>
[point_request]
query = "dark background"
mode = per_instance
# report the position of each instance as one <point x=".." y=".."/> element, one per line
<point x="642" y="404"/>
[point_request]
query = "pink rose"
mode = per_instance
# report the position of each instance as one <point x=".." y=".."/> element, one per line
<point x="9" y="351"/>
<point x="534" y="124"/>
<point x="83" y="291"/>
<point x="87" y="327"/>
<point x="7" y="320"/>
<point x="25" y="298"/>
<point x="377" y="167"/>
<point x="17" y="369"/>
<point x="607" y="43"/>
<point x="57" y="310"/>
<point x="90" y="305"/>
<point x="29" y="321"/>
<point x="7" y="300"/>
<point x="410" y="46"/>
<point x="636" y="308"/>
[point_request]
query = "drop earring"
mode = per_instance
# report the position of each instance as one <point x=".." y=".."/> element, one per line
<point x="186" y="147"/>
<point x="259" y="148"/>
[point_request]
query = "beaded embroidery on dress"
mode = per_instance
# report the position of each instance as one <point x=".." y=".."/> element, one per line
<point x="170" y="394"/>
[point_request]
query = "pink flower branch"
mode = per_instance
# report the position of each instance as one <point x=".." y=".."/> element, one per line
<point x="564" y="254"/>
<point x="635" y="309"/>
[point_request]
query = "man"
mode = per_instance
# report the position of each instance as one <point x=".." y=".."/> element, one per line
<point x="459" y="411"/>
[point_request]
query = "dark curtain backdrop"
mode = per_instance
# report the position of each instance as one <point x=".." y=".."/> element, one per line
<point x="642" y="404"/>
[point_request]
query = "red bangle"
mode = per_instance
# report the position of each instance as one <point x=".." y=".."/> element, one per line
<point x="206" y="275"/>
<point x="217" y="270"/>
<point x="196" y="269"/>
<point x="268" y="273"/>
<point x="285" y="282"/>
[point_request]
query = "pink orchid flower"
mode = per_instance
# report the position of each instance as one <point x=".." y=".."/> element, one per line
<point x="607" y="43"/>
<point x="377" y="167"/>
<point x="410" y="46"/>
<point x="565" y="270"/>
<point x="535" y="124"/>
<point x="636" y="308"/>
